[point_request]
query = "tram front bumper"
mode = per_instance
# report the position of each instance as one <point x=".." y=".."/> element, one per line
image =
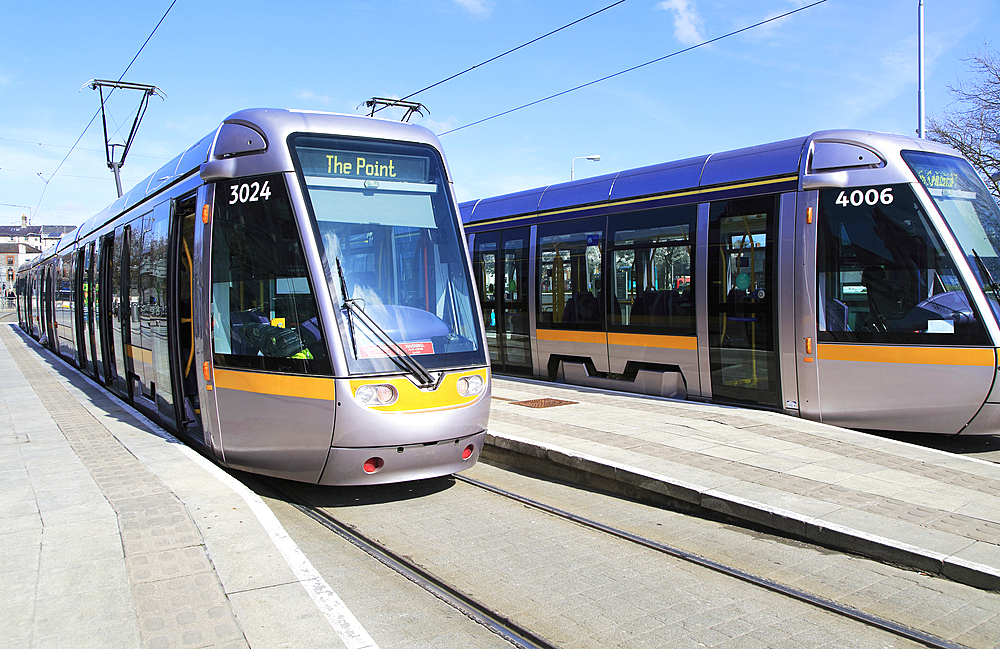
<point x="381" y="465"/>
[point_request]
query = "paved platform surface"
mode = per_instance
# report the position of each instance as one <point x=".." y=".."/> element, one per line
<point x="115" y="536"/>
<point x="913" y="506"/>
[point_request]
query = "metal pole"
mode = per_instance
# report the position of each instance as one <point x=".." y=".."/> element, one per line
<point x="921" y="105"/>
<point x="118" y="178"/>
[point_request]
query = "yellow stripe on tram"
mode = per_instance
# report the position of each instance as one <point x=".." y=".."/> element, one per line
<point x="282" y="385"/>
<point x="569" y="336"/>
<point x="651" y="340"/>
<point x="978" y="357"/>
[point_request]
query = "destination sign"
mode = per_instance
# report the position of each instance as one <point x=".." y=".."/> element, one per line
<point x="362" y="165"/>
<point x="938" y="178"/>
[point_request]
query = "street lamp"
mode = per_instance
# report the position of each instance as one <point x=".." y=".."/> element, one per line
<point x="572" y="171"/>
<point x="921" y="101"/>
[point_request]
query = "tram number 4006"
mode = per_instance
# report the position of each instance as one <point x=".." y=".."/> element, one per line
<point x="249" y="192"/>
<point x="869" y="196"/>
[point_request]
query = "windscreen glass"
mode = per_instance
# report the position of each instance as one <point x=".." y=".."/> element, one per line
<point x="390" y="239"/>
<point x="883" y="274"/>
<point x="970" y="211"/>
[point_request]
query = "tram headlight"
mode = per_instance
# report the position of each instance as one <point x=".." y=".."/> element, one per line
<point x="376" y="395"/>
<point x="470" y="385"/>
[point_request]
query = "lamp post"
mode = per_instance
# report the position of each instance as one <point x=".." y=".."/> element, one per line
<point x="921" y="105"/>
<point x="572" y="170"/>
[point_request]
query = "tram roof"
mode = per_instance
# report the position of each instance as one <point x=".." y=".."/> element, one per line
<point x="274" y="124"/>
<point x="763" y="161"/>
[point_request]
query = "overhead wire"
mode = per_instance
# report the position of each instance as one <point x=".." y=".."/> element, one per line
<point x="91" y="122"/>
<point x="636" y="67"/>
<point x="79" y="148"/>
<point x="510" y="51"/>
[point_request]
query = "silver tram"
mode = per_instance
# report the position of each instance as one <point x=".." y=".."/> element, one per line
<point x="292" y="294"/>
<point x="847" y="277"/>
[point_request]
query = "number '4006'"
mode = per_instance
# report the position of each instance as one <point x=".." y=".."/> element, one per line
<point x="859" y="197"/>
<point x="249" y="192"/>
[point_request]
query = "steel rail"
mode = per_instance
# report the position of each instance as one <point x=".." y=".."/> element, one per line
<point x="818" y="601"/>
<point x="465" y="604"/>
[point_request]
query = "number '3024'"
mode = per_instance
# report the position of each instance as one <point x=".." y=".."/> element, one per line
<point x="249" y="192"/>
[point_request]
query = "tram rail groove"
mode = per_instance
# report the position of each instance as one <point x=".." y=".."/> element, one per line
<point x="465" y="604"/>
<point x="832" y="606"/>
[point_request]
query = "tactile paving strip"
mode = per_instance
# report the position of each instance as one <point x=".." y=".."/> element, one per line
<point x="178" y="598"/>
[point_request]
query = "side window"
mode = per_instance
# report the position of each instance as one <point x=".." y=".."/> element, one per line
<point x="883" y="275"/>
<point x="651" y="253"/>
<point x="263" y="310"/>
<point x="571" y="290"/>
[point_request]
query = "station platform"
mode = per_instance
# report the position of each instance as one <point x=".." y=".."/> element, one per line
<point x="907" y="505"/>
<point x="117" y="535"/>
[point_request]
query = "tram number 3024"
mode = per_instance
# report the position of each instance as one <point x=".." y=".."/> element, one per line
<point x="249" y="192"/>
<point x="870" y="196"/>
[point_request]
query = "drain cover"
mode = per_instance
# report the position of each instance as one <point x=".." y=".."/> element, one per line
<point x="542" y="403"/>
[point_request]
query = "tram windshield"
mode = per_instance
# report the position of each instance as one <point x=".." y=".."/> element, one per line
<point x="390" y="238"/>
<point x="970" y="211"/>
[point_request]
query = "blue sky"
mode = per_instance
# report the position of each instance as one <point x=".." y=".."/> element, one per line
<point x="844" y="63"/>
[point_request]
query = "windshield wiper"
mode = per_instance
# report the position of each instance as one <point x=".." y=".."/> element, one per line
<point x="400" y="356"/>
<point x="987" y="276"/>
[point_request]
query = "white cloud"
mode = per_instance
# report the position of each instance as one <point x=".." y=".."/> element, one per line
<point x="312" y="97"/>
<point x="687" y="21"/>
<point x="478" y="8"/>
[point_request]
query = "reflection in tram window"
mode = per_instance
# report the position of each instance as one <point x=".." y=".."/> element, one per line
<point x="884" y="276"/>
<point x="652" y="263"/>
<point x="570" y="290"/>
<point x="388" y="233"/>
<point x="263" y="307"/>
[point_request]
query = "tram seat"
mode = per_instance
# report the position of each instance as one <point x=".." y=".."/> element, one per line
<point x="838" y="316"/>
<point x="643" y="304"/>
<point x="616" y="306"/>
<point x="238" y="321"/>
<point x="582" y="307"/>
<point x="663" y="307"/>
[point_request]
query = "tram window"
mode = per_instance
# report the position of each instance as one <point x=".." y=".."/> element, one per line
<point x="571" y="293"/>
<point x="389" y="234"/>
<point x="263" y="309"/>
<point x="651" y="251"/>
<point x="883" y="274"/>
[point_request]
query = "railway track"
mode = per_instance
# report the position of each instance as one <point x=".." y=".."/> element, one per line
<point x="521" y="636"/>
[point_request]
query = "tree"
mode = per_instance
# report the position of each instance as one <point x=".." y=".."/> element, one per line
<point x="972" y="124"/>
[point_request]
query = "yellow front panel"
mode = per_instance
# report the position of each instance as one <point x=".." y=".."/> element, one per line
<point x="413" y="399"/>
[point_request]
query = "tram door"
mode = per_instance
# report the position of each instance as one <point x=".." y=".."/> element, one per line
<point x="180" y="315"/>
<point x="742" y="318"/>
<point x="501" y="267"/>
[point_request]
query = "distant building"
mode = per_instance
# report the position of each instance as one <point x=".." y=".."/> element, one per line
<point x="13" y="255"/>
<point x="21" y="243"/>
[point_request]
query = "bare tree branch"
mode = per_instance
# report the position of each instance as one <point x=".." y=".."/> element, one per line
<point x="972" y="124"/>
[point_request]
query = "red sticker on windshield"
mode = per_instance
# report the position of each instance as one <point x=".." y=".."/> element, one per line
<point x="381" y="351"/>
